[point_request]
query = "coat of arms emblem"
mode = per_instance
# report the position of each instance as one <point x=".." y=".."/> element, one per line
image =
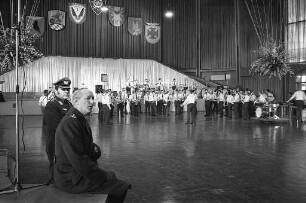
<point x="116" y="16"/>
<point x="135" y="26"/>
<point x="152" y="32"/>
<point x="56" y="19"/>
<point x="96" y="6"/>
<point x="77" y="12"/>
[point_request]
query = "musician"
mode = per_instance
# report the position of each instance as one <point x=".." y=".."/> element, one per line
<point x="134" y="103"/>
<point x="139" y="98"/>
<point x="262" y="99"/>
<point x="120" y="104"/>
<point x="270" y="96"/>
<point x="230" y="103"/>
<point x="55" y="110"/>
<point x="236" y="102"/>
<point x="173" y="84"/>
<point x="129" y="84"/>
<point x="300" y="99"/>
<point x="106" y="107"/>
<point x="252" y="104"/>
<point x="221" y="100"/>
<point x="159" y="85"/>
<point x="99" y="100"/>
<point x="214" y="101"/>
<point x="146" y="102"/>
<point x="207" y="97"/>
<point x="160" y="102"/>
<point x="176" y="102"/>
<point x="167" y="101"/>
<point x="181" y="97"/>
<point x="124" y="98"/>
<point x="245" y="105"/>
<point x="147" y="84"/>
<point x="153" y="101"/>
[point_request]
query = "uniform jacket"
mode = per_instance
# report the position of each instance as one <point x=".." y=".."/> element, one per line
<point x="76" y="169"/>
<point x="54" y="112"/>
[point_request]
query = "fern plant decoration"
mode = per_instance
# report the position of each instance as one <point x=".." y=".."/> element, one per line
<point x="271" y="60"/>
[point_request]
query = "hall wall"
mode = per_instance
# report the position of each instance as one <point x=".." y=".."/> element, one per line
<point x="205" y="37"/>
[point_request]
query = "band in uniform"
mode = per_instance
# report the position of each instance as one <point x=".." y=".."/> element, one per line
<point x="55" y="110"/>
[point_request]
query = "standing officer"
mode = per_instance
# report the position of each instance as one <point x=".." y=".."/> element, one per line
<point x="55" y="110"/>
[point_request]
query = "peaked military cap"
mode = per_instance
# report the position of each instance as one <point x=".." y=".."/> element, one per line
<point x="64" y="82"/>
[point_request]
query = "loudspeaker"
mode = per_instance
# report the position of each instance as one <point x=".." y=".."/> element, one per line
<point x="7" y="169"/>
<point x="98" y="88"/>
<point x="104" y="78"/>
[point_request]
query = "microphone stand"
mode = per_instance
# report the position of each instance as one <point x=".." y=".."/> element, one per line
<point x="16" y="184"/>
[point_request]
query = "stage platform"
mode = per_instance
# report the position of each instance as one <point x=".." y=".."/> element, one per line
<point x="49" y="194"/>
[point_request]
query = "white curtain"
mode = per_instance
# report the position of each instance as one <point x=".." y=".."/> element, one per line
<point x="297" y="30"/>
<point x="40" y="75"/>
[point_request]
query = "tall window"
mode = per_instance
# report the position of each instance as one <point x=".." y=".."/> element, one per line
<point x="297" y="30"/>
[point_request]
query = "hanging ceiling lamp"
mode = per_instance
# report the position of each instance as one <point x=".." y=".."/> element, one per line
<point x="169" y="13"/>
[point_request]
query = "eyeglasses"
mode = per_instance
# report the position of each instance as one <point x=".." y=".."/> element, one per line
<point x="65" y="88"/>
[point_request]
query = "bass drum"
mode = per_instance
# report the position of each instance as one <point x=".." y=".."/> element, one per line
<point x="258" y="112"/>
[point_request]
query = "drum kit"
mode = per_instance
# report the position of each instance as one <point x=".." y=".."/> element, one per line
<point x="269" y="111"/>
<point x="272" y="111"/>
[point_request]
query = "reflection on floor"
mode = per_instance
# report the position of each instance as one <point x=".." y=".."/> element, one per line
<point x="216" y="160"/>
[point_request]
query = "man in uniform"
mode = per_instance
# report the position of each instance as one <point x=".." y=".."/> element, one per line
<point x="191" y="108"/>
<point x="55" y="110"/>
<point x="77" y="169"/>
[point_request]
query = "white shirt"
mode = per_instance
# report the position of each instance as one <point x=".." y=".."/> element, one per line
<point x="262" y="98"/>
<point x="105" y="99"/>
<point x="298" y="95"/>
<point x="99" y="97"/>
<point x="230" y="99"/>
<point x="191" y="99"/>
<point x="43" y="100"/>
<point x="237" y="98"/>
<point x="246" y="98"/>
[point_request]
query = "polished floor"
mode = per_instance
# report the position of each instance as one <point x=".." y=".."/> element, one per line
<point x="215" y="160"/>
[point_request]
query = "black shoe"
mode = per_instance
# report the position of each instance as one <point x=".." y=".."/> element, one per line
<point x="192" y="123"/>
<point x="187" y="123"/>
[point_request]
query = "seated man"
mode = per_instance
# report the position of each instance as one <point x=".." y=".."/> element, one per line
<point x="76" y="169"/>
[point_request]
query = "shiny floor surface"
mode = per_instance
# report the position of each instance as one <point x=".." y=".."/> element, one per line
<point x="215" y="160"/>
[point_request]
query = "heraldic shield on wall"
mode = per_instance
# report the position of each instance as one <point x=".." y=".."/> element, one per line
<point x="77" y="12"/>
<point x="96" y="6"/>
<point x="36" y="26"/>
<point x="56" y="19"/>
<point x="135" y="26"/>
<point x="152" y="32"/>
<point x="116" y="16"/>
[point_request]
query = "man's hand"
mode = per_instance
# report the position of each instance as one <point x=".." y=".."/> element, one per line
<point x="110" y="175"/>
<point x="96" y="152"/>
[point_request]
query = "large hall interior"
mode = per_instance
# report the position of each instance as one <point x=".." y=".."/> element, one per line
<point x="184" y="100"/>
